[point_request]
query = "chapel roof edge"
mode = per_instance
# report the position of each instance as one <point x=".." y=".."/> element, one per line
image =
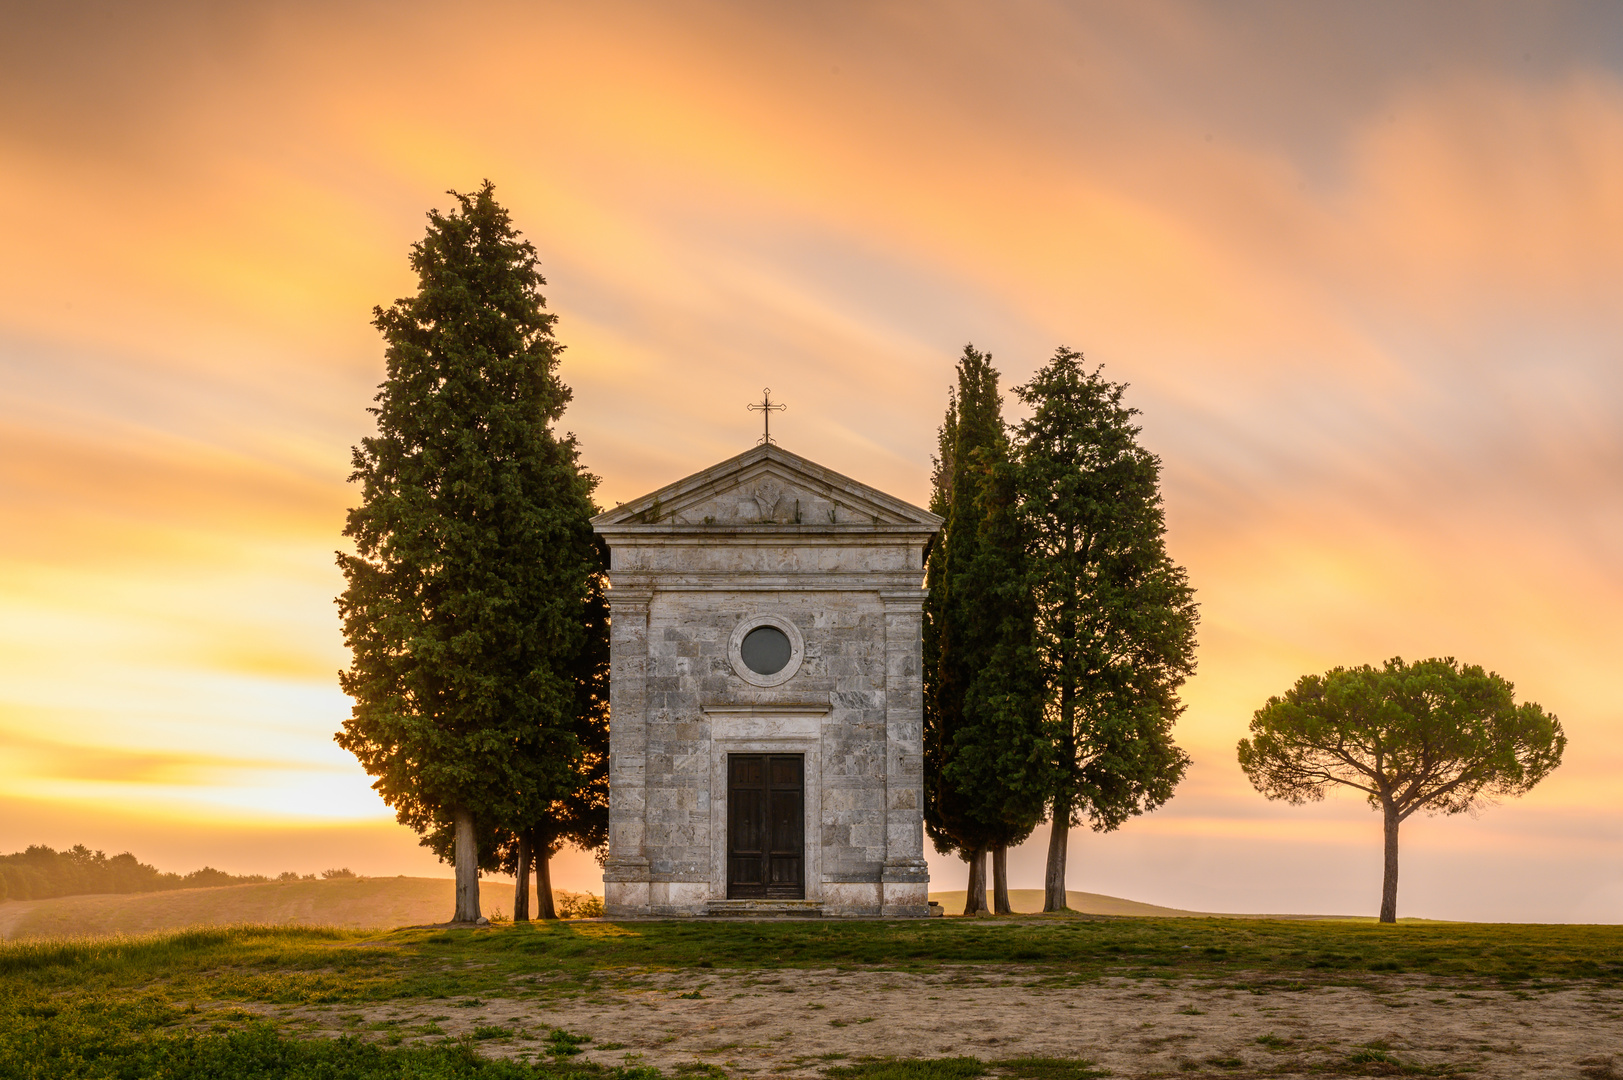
<point x="761" y="459"/>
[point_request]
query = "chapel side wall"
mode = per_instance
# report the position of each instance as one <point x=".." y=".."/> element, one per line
<point x="844" y="667"/>
<point x="625" y="874"/>
<point x="907" y="874"/>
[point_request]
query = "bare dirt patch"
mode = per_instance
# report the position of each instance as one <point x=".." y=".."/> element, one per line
<point x="796" y="1022"/>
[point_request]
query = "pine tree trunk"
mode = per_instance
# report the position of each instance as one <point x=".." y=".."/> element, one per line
<point x="521" y="888"/>
<point x="1000" y="880"/>
<point x="1054" y="898"/>
<point x="467" y="868"/>
<point x="1389" y="885"/>
<point x="545" y="908"/>
<point x="975" y="893"/>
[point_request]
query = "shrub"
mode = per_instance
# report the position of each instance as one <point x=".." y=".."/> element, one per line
<point x="575" y="905"/>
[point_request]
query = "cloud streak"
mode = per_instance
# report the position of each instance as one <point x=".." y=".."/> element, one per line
<point x="1358" y="264"/>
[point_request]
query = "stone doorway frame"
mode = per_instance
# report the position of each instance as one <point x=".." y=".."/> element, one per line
<point x="767" y="729"/>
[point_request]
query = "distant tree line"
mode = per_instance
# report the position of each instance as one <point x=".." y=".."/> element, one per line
<point x="40" y="873"/>
<point x="1057" y="628"/>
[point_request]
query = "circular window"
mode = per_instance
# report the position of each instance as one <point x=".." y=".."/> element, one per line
<point x="766" y="650"/>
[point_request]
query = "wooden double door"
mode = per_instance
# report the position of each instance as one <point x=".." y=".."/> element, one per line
<point x="766" y="827"/>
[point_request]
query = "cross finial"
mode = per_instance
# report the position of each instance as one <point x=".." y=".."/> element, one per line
<point x="766" y="408"/>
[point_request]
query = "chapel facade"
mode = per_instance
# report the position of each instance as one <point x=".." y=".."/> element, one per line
<point x="766" y="694"/>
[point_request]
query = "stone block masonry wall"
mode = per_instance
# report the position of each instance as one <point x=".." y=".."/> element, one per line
<point x="688" y="667"/>
<point x="625" y="875"/>
<point x="906" y="874"/>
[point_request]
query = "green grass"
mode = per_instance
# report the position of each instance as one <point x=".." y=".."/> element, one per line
<point x="964" y="1068"/>
<point x="258" y="1051"/>
<point x="104" y="1008"/>
<point x="955" y="1068"/>
<point x="1079" y="945"/>
<point x="313" y="965"/>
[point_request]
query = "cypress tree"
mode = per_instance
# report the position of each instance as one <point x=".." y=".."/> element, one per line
<point x="540" y="828"/>
<point x="986" y="756"/>
<point x="466" y="609"/>
<point x="581" y="816"/>
<point x="1115" y="627"/>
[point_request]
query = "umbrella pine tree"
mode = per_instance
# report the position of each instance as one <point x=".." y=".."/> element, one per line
<point x="1435" y="735"/>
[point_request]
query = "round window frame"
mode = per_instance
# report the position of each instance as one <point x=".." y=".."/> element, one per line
<point x="797" y="650"/>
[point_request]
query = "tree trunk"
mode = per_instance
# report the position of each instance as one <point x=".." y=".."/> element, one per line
<point x="1059" y="834"/>
<point x="521" y="888"/>
<point x="1054" y="898"/>
<point x="467" y="868"/>
<point x="1000" y="880"/>
<point x="1389" y="885"/>
<point x="543" y="882"/>
<point x="975" y="893"/>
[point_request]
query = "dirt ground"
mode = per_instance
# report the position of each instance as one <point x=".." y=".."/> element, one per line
<point x="794" y="1023"/>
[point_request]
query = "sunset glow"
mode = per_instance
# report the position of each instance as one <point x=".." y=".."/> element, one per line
<point x="1359" y="263"/>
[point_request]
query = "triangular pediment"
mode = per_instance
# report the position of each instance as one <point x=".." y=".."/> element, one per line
<point x="763" y="487"/>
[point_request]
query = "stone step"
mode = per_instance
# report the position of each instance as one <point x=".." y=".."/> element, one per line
<point x="765" y="909"/>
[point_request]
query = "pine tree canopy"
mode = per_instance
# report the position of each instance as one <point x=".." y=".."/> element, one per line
<point x="1115" y="623"/>
<point x="1434" y="735"/>
<point x="469" y="601"/>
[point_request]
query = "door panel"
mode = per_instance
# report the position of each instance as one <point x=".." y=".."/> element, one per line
<point x="766" y="826"/>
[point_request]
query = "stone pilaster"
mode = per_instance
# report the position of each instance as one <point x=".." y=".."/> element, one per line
<point x="625" y="872"/>
<point x="906" y="875"/>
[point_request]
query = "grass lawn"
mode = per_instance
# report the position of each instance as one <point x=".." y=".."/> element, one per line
<point x="203" y="1003"/>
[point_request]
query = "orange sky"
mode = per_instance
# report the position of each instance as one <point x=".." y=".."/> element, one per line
<point x="1358" y="262"/>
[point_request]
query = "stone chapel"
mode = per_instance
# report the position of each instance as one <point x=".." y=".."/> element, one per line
<point x="766" y="694"/>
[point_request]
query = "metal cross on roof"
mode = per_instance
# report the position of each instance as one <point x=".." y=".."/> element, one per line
<point x="766" y="408"/>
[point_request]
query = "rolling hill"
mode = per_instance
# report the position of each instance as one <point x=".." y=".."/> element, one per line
<point x="360" y="903"/>
<point x="1030" y="901"/>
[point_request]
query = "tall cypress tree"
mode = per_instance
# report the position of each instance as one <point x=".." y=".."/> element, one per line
<point x="467" y="604"/>
<point x="986" y="757"/>
<point x="1115" y="616"/>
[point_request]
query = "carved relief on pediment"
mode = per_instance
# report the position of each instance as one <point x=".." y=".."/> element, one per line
<point x="768" y="500"/>
<point x="767" y="494"/>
